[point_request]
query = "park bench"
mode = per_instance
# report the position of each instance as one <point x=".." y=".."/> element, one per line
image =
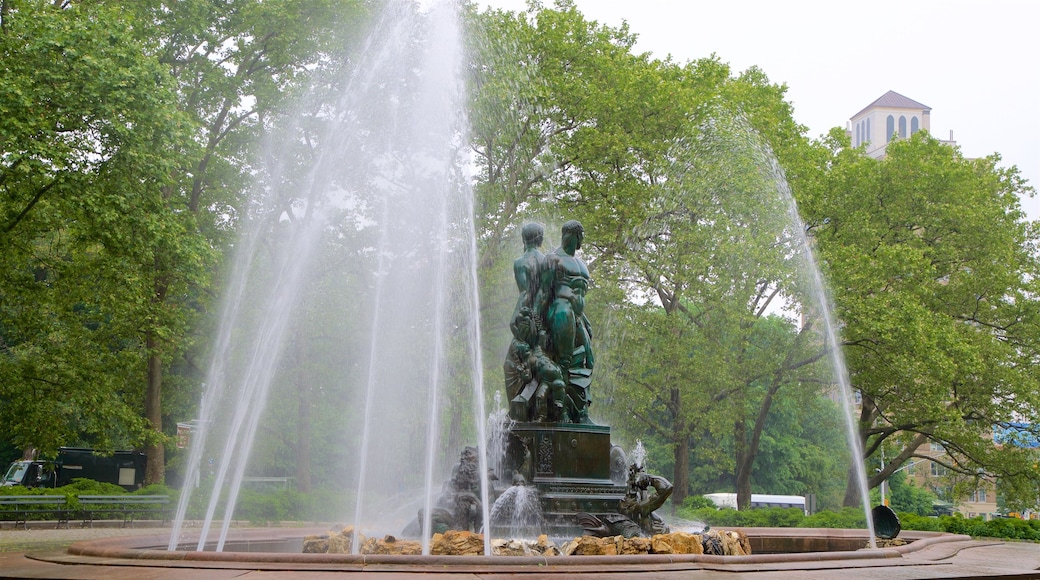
<point x="125" y="507"/>
<point x="22" y="508"/>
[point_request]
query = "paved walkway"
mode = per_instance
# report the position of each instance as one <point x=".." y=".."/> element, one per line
<point x="44" y="537"/>
<point x="20" y="550"/>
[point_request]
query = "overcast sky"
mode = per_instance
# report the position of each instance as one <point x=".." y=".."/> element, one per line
<point x="974" y="63"/>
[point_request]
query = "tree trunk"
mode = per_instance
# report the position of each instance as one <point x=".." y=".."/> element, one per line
<point x="866" y="420"/>
<point x="747" y="449"/>
<point x="155" y="468"/>
<point x="303" y="419"/>
<point x="681" y="474"/>
<point x="742" y="471"/>
<point x="852" y="498"/>
<point x="681" y="450"/>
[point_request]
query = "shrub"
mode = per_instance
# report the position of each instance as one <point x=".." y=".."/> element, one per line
<point x="913" y="521"/>
<point x="696" y="502"/>
<point x="81" y="486"/>
<point x="848" y="517"/>
<point x="759" y="518"/>
<point x="267" y="506"/>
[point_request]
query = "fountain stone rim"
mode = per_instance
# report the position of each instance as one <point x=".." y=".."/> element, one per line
<point x="148" y="551"/>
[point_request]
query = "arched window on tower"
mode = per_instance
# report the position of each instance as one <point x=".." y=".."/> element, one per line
<point x="902" y="127"/>
<point x="915" y="125"/>
<point x="890" y="128"/>
<point x="858" y="136"/>
<point x="866" y="131"/>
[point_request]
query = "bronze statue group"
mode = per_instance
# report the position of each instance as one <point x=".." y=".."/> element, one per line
<point x="548" y="368"/>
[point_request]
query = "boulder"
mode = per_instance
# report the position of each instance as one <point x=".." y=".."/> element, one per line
<point x="545" y="546"/>
<point x="511" y="548"/>
<point x="457" y="543"/>
<point x="735" y="543"/>
<point x="391" y="546"/>
<point x="676" y="543"/>
<point x="635" y="546"/>
<point x="592" y="546"/>
<point x="315" y="544"/>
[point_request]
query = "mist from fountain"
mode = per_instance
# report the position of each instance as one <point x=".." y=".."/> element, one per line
<point x="733" y="202"/>
<point x="392" y="153"/>
<point x="841" y="373"/>
<point x="388" y="164"/>
<point x="518" y="513"/>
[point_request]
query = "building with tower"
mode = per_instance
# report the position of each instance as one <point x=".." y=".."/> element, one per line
<point x="891" y="116"/>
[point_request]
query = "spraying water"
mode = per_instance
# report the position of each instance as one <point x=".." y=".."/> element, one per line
<point x="639" y="454"/>
<point x="391" y="155"/>
<point x="841" y="372"/>
<point x="387" y="174"/>
<point x="498" y="427"/>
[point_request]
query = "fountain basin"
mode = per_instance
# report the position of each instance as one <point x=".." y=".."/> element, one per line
<point x="775" y="548"/>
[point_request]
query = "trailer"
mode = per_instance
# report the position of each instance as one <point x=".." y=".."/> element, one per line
<point x="122" y="468"/>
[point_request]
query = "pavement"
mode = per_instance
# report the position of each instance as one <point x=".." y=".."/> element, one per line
<point x="39" y="552"/>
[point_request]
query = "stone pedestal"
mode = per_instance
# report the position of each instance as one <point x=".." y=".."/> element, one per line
<point x="569" y="464"/>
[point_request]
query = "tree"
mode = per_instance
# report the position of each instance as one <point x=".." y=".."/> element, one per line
<point x="140" y="118"/>
<point x="934" y="271"/>
<point x="635" y="148"/>
<point x="89" y="126"/>
<point x="233" y="63"/>
<point x="710" y="242"/>
<point x="907" y="497"/>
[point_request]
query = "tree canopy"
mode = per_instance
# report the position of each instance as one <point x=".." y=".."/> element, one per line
<point x="129" y="142"/>
<point x="933" y="270"/>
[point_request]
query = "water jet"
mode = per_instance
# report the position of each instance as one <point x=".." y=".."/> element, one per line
<point x="392" y="155"/>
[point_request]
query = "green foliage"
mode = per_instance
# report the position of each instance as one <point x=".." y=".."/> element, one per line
<point x="924" y="523"/>
<point x="696" y="502"/>
<point x="128" y="129"/>
<point x="906" y="497"/>
<point x="852" y="518"/>
<point x="265" y="507"/>
<point x="83" y="486"/>
<point x="19" y="490"/>
<point x="933" y="269"/>
<point x="848" y="517"/>
<point x="765" y="517"/>
<point x="665" y="165"/>
<point x="88" y="124"/>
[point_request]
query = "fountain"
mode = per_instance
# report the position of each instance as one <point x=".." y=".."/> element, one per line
<point x="389" y="161"/>
<point x="391" y="164"/>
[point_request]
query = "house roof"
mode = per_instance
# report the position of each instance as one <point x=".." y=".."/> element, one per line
<point x="893" y="100"/>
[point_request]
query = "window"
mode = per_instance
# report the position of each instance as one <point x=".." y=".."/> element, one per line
<point x="915" y="125"/>
<point x="890" y="128"/>
<point x="978" y="496"/>
<point x="866" y="131"/>
<point x="934" y="446"/>
<point x="858" y="138"/>
<point x="902" y="127"/>
<point x="938" y="470"/>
